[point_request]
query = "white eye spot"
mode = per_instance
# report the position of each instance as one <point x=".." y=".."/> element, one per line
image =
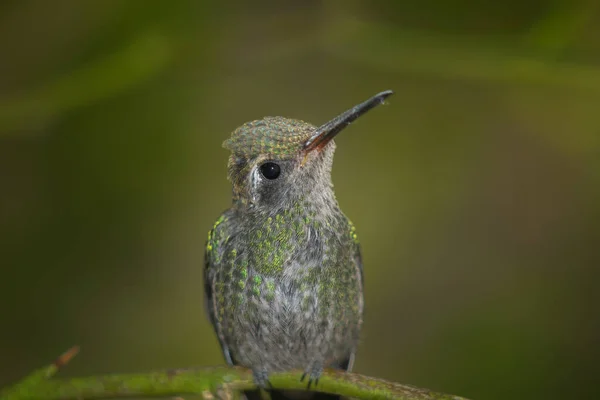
<point x="255" y="179"/>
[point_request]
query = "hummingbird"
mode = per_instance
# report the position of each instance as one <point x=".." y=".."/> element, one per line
<point x="283" y="273"/>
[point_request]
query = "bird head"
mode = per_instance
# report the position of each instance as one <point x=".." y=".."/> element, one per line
<point x="275" y="161"/>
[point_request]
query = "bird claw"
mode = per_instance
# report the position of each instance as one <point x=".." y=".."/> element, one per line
<point x="313" y="373"/>
<point x="261" y="378"/>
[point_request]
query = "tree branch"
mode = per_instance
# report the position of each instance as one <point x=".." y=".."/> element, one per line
<point x="208" y="382"/>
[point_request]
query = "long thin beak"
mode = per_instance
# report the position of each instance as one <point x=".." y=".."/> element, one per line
<point x="327" y="131"/>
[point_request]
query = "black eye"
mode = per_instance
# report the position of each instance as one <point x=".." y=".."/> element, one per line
<point x="270" y="170"/>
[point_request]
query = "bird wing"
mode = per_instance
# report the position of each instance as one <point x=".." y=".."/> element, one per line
<point x="348" y="363"/>
<point x="213" y="257"/>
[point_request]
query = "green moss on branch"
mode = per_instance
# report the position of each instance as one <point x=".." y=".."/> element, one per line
<point x="208" y="382"/>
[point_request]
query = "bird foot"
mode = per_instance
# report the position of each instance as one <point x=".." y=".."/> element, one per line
<point x="261" y="378"/>
<point x="314" y="373"/>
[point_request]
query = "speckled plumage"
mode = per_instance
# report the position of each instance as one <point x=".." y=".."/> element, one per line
<point x="286" y="288"/>
<point x="283" y="275"/>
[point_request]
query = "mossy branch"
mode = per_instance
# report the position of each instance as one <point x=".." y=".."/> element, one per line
<point x="208" y="382"/>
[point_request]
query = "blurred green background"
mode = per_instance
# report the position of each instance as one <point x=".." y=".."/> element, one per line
<point x="475" y="191"/>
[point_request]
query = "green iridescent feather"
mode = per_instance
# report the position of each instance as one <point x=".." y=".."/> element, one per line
<point x="272" y="136"/>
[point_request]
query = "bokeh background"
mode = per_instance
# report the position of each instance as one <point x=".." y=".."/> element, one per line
<point x="475" y="191"/>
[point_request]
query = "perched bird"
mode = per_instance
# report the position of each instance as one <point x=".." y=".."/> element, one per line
<point x="283" y="271"/>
